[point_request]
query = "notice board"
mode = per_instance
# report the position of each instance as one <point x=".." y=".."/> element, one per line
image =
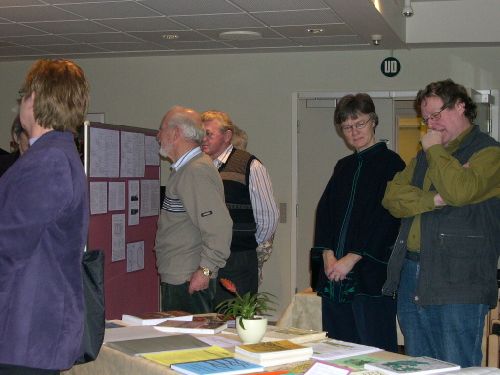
<point x="123" y="170"/>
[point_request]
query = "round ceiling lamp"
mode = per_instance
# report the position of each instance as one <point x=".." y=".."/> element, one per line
<point x="240" y="35"/>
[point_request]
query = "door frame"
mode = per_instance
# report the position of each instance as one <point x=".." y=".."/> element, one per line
<point x="395" y="95"/>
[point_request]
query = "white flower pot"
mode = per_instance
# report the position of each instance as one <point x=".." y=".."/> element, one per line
<point x="254" y="330"/>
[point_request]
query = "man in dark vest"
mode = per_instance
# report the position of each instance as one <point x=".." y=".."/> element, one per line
<point x="249" y="198"/>
<point x="444" y="262"/>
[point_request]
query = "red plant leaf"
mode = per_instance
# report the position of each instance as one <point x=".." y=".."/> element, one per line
<point x="229" y="285"/>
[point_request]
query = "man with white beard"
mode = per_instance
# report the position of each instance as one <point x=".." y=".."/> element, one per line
<point x="194" y="228"/>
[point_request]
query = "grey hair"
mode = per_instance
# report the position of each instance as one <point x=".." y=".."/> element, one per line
<point x="189" y="123"/>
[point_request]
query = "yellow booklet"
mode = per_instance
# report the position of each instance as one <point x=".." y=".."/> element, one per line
<point x="269" y="346"/>
<point x="188" y="355"/>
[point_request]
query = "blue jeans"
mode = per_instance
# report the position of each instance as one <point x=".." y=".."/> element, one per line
<point x="451" y="333"/>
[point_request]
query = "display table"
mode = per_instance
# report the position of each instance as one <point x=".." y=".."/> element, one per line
<point x="114" y="362"/>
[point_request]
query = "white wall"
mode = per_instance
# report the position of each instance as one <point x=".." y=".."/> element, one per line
<point x="256" y="89"/>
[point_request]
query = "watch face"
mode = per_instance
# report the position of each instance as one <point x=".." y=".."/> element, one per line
<point x="206" y="271"/>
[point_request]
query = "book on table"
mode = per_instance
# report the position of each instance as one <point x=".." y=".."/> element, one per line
<point x="199" y="325"/>
<point x="153" y="318"/>
<point x="413" y="366"/>
<point x="221" y="366"/>
<point x="330" y="349"/>
<point x="188" y="355"/>
<point x="157" y="344"/>
<point x="273" y="353"/>
<point x="296" y="335"/>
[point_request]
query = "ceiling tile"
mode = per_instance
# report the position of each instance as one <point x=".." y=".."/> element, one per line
<point x="7" y="3"/>
<point x="70" y="27"/>
<point x="297" y="17"/>
<point x="176" y="45"/>
<point x="69" y="48"/>
<point x="18" y="51"/>
<point x="218" y="21"/>
<point x="101" y="38"/>
<point x="119" y="9"/>
<point x="129" y="46"/>
<point x="331" y="40"/>
<point x="142" y="24"/>
<point x="189" y="7"/>
<point x="157" y="36"/>
<point x="301" y="31"/>
<point x="264" y="31"/>
<point x="263" y="43"/>
<point x="273" y="5"/>
<point x="13" y="29"/>
<point x="37" y="40"/>
<point x="37" y="13"/>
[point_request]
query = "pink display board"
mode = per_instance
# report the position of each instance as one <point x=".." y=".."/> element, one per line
<point x="126" y="292"/>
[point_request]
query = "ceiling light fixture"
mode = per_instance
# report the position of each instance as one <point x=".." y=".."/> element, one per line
<point x="240" y="35"/>
<point x="315" y="31"/>
<point x="170" y="36"/>
<point x="407" y="10"/>
<point x="376" y="39"/>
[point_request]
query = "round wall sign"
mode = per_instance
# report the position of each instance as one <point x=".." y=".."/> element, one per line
<point x="390" y="67"/>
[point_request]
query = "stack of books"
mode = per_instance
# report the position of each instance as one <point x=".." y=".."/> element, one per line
<point x="296" y="335"/>
<point x="273" y="353"/>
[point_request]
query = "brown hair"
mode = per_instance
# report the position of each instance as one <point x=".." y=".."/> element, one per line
<point x="61" y="94"/>
<point x="450" y="93"/>
<point x="351" y="106"/>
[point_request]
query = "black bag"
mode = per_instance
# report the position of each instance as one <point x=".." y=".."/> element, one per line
<point x="94" y="319"/>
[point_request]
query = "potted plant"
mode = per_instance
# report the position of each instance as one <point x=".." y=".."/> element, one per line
<point x="248" y="310"/>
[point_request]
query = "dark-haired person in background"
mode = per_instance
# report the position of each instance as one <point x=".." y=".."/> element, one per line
<point x="356" y="233"/>
<point x="43" y="227"/>
<point x="444" y="263"/>
<point x="19" y="145"/>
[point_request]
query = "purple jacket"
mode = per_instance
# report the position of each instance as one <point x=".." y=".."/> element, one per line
<point x="43" y="230"/>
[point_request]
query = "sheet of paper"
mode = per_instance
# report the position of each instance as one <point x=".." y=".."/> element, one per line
<point x="133" y="202"/>
<point x="151" y="149"/>
<point x="118" y="237"/>
<point x="320" y="368"/>
<point x="135" y="256"/>
<point x="116" y="196"/>
<point x="98" y="195"/>
<point x="150" y="197"/>
<point x="216" y="340"/>
<point x="104" y="153"/>
<point x="132" y="333"/>
<point x="132" y="154"/>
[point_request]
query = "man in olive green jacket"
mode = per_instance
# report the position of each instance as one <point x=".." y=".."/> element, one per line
<point x="444" y="262"/>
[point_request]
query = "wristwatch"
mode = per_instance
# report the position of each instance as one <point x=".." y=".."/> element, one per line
<point x="206" y="271"/>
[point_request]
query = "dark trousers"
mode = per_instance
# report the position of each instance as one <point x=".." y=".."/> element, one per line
<point x="19" y="370"/>
<point x="177" y="297"/>
<point x="242" y="269"/>
<point x="366" y="320"/>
